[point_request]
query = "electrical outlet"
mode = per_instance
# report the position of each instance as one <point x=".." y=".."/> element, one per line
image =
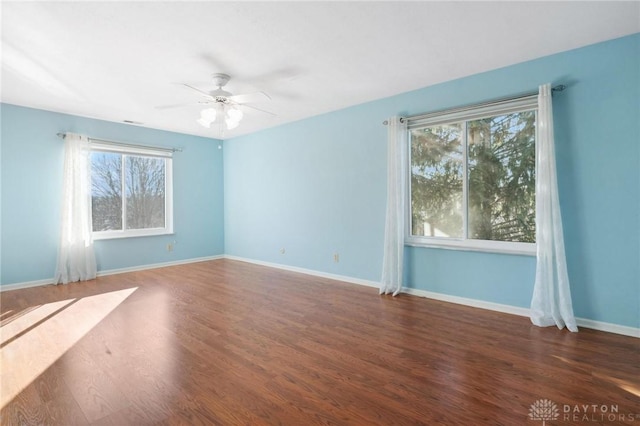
<point x="170" y="247"/>
<point x="336" y="257"/>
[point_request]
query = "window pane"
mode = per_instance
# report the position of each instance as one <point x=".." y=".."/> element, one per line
<point x="145" y="192"/>
<point x="436" y="181"/>
<point x="501" y="166"/>
<point x="106" y="191"/>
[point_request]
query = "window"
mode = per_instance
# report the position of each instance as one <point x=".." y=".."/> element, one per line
<point x="131" y="191"/>
<point x="472" y="177"/>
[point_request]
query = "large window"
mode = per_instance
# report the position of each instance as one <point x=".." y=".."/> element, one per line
<point x="472" y="177"/>
<point x="131" y="191"/>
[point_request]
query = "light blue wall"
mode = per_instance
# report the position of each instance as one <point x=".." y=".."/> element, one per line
<point x="317" y="186"/>
<point x="32" y="159"/>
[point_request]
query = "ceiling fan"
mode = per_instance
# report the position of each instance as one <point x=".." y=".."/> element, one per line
<point x="223" y="108"/>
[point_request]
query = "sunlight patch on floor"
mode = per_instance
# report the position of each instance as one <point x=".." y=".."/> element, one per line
<point x="21" y="323"/>
<point x="632" y="388"/>
<point x="34" y="341"/>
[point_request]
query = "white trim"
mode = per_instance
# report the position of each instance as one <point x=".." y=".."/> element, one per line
<point x="315" y="273"/>
<point x="130" y="233"/>
<point x="523" y="312"/>
<point x="485" y="246"/>
<point x="26" y="284"/>
<point x="158" y="265"/>
<point x="456" y="116"/>
<point x="49" y="281"/>
<point x="474" y="112"/>
<point x="167" y="229"/>
<point x="497" y="307"/>
<point x="609" y="327"/>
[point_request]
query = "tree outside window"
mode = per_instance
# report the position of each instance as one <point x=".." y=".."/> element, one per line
<point x="475" y="179"/>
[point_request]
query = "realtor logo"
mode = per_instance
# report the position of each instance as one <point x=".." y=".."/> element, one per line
<point x="544" y="409"/>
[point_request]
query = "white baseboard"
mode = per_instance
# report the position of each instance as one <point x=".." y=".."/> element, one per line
<point x="158" y="265"/>
<point x="608" y="327"/>
<point x="26" y="284"/>
<point x="523" y="312"/>
<point x="507" y="309"/>
<point x="39" y="283"/>
<point x="313" y="272"/>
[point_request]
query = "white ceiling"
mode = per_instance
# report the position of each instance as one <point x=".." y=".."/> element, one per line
<point x="119" y="60"/>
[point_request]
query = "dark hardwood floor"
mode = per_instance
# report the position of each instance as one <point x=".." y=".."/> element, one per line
<point x="231" y="343"/>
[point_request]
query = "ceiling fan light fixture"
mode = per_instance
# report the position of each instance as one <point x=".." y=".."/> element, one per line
<point x="208" y="114"/>
<point x="231" y="124"/>
<point x="234" y="114"/>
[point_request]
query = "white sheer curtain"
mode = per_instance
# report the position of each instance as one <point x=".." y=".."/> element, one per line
<point x="76" y="259"/>
<point x="392" y="264"/>
<point x="551" y="302"/>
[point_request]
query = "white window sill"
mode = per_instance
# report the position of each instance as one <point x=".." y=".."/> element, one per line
<point x="109" y="235"/>
<point x="521" y="249"/>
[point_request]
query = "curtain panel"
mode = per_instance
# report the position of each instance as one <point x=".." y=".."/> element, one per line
<point x="551" y="302"/>
<point x="76" y="258"/>
<point x="392" y="264"/>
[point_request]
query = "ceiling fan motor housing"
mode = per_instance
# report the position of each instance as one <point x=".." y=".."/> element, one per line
<point x="220" y="79"/>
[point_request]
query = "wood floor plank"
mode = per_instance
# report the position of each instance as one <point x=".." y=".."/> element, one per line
<point x="230" y="343"/>
<point x="94" y="391"/>
<point x="60" y="404"/>
<point x="25" y="409"/>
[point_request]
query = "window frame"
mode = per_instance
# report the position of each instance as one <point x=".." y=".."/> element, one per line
<point x="464" y="115"/>
<point x="131" y="150"/>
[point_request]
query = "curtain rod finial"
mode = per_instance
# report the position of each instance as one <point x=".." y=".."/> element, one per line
<point x="386" y="122"/>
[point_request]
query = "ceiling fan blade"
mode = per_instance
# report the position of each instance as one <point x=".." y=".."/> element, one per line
<point x="282" y="74"/>
<point x="202" y="92"/>
<point x="180" y="105"/>
<point x="250" y="98"/>
<point x="258" y="109"/>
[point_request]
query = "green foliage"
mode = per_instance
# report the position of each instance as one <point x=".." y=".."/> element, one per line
<point x="501" y="173"/>
<point x="436" y="180"/>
